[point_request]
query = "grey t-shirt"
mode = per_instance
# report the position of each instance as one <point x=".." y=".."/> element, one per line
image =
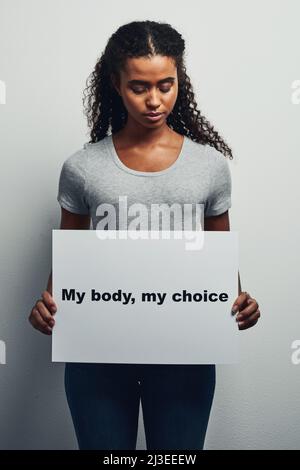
<point x="95" y="181"/>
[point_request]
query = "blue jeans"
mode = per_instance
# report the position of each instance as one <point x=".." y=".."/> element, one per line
<point x="104" y="404"/>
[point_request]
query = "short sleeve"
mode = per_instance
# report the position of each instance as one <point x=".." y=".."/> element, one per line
<point x="219" y="196"/>
<point x="72" y="183"/>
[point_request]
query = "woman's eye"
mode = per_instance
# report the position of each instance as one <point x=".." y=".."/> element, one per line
<point x="139" y="90"/>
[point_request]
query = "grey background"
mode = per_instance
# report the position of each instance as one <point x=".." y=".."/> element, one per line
<point x="243" y="58"/>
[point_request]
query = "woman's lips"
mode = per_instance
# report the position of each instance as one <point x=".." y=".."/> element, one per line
<point x="153" y="117"/>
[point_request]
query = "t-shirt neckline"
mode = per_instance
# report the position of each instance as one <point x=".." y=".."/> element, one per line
<point x="121" y="165"/>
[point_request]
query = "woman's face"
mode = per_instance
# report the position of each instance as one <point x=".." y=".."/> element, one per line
<point x="148" y="85"/>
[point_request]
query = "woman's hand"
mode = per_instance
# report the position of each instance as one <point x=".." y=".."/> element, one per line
<point x="248" y="311"/>
<point x="41" y="315"/>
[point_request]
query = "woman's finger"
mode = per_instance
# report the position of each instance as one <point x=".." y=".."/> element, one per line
<point x="44" y="312"/>
<point x="239" y="302"/>
<point x="250" y="321"/>
<point x="250" y="300"/>
<point x="38" y="323"/>
<point x="48" y="299"/>
<point x="248" y="311"/>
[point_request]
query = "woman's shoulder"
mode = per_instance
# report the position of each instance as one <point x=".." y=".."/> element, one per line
<point x="205" y="149"/>
<point x="205" y="153"/>
<point x="81" y="158"/>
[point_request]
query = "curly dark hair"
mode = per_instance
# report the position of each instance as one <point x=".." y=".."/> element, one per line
<point x="104" y="107"/>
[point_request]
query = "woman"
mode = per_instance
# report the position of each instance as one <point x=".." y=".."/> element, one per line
<point x="161" y="150"/>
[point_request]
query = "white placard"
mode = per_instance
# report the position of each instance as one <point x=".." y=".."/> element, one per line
<point x="145" y="297"/>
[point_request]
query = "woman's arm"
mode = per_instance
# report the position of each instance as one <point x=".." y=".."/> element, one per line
<point x="70" y="221"/>
<point x="220" y="223"/>
<point x="246" y="306"/>
<point x="217" y="222"/>
<point x="41" y="315"/>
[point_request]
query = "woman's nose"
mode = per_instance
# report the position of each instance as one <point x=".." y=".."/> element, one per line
<point x="153" y="99"/>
